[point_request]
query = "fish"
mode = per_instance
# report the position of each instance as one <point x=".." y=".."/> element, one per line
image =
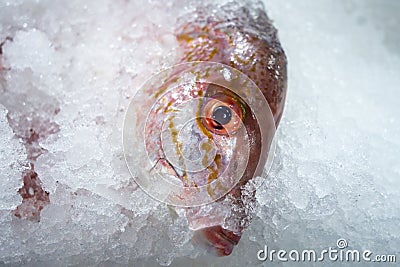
<point x="208" y="122"/>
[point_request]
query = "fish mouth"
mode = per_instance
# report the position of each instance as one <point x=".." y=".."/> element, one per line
<point x="216" y="240"/>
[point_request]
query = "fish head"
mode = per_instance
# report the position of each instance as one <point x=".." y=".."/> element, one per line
<point x="205" y="137"/>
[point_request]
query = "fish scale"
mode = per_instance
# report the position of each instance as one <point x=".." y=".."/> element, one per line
<point x="248" y="43"/>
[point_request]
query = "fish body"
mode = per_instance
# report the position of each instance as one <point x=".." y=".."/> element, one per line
<point x="205" y="137"/>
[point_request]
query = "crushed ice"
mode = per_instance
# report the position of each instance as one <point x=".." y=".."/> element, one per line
<point x="67" y="72"/>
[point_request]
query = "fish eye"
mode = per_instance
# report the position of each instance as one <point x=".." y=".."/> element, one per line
<point x="222" y="115"/>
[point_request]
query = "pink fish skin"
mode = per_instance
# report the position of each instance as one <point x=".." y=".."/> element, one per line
<point x="245" y="39"/>
<point x="219" y="128"/>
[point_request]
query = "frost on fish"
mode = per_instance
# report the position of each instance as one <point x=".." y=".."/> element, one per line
<point x="245" y="39"/>
<point x="242" y="37"/>
<point x="231" y="61"/>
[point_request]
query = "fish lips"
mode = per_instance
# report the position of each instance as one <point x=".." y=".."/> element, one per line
<point x="216" y="240"/>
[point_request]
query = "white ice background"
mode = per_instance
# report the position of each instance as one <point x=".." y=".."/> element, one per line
<point x="76" y="64"/>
